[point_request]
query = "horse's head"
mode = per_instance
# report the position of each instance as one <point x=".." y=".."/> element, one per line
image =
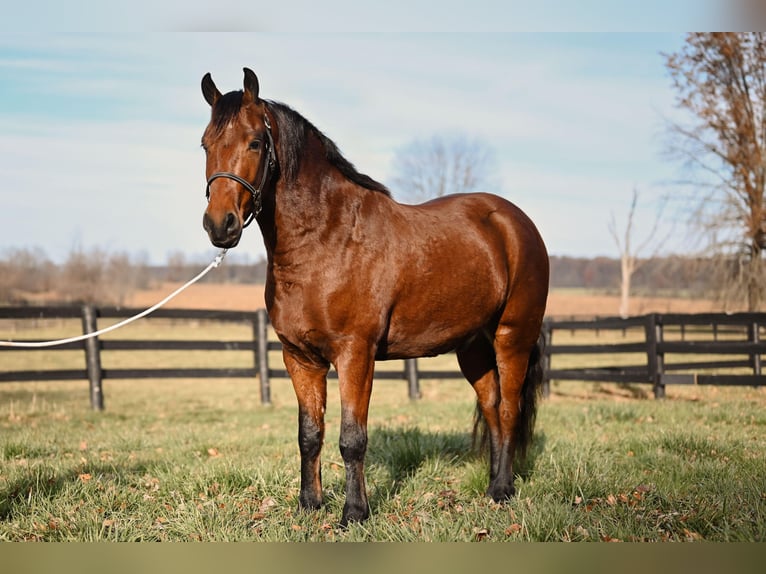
<point x="240" y="159"/>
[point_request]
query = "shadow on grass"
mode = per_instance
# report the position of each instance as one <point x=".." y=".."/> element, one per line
<point x="403" y="452"/>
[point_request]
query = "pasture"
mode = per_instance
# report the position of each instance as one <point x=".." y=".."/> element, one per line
<point x="180" y="460"/>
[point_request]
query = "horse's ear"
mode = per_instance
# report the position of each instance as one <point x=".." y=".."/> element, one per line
<point x="251" y="87"/>
<point x="209" y="90"/>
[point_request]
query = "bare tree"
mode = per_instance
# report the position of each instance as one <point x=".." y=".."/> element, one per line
<point x="82" y="276"/>
<point x="630" y="255"/>
<point x="720" y="78"/>
<point x="98" y="277"/>
<point x="441" y="165"/>
<point x="25" y="271"/>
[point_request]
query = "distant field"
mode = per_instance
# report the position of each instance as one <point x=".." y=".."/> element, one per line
<point x="561" y="302"/>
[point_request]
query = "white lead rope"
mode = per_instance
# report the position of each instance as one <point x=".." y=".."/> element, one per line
<point x="35" y="344"/>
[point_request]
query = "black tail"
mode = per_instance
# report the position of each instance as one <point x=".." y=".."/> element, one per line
<point x="525" y="423"/>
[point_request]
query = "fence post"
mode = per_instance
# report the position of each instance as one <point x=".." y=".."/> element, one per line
<point x="654" y="359"/>
<point x="93" y="357"/>
<point x="411" y="374"/>
<point x="754" y="336"/>
<point x="261" y="333"/>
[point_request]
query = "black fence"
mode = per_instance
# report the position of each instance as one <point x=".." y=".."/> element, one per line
<point x="652" y="349"/>
<point x="701" y="349"/>
<point x="259" y="344"/>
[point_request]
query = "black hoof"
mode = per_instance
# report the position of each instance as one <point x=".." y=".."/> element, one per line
<point x="354" y="514"/>
<point x="308" y="503"/>
<point x="501" y="494"/>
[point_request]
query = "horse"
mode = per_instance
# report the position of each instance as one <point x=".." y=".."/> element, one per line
<point x="353" y="277"/>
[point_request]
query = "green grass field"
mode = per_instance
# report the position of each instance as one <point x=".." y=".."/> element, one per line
<point x="203" y="461"/>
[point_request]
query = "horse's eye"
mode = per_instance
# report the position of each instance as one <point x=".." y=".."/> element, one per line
<point x="255" y="145"/>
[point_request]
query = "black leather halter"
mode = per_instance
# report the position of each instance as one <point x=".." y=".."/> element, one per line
<point x="255" y="192"/>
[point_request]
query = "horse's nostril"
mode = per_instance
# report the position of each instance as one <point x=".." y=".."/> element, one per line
<point x="207" y="222"/>
<point x="231" y="222"/>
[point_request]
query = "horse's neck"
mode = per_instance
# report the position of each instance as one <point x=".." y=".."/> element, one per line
<point x="310" y="211"/>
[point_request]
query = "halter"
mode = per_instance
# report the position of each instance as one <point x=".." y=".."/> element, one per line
<point x="255" y="192"/>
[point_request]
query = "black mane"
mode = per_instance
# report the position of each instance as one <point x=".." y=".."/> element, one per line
<point x="293" y="130"/>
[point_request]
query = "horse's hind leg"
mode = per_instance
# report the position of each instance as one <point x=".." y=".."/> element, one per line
<point x="516" y="408"/>
<point x="477" y="363"/>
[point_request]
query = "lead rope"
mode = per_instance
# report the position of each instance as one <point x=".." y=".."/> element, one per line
<point x="36" y="344"/>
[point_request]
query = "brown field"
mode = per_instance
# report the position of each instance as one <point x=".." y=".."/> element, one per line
<point x="561" y="303"/>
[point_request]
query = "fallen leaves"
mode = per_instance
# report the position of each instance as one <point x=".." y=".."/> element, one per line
<point x="632" y="499"/>
<point x="480" y="534"/>
<point x="668" y="525"/>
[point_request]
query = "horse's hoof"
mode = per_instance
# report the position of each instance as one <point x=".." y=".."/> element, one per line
<point x="308" y="503"/>
<point x="501" y="494"/>
<point x="353" y="514"/>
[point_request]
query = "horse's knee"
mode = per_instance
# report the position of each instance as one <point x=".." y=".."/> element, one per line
<point x="310" y="436"/>
<point x="353" y="442"/>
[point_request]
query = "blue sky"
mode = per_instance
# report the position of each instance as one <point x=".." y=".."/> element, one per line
<point x="99" y="133"/>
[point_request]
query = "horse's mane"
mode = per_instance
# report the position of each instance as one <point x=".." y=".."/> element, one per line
<point x="293" y="131"/>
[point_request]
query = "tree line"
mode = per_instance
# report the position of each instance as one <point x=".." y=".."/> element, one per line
<point x="28" y="276"/>
<point x="669" y="275"/>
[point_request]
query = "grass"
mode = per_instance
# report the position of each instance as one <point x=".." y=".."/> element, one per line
<point x="203" y="461"/>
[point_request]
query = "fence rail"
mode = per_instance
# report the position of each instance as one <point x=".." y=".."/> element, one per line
<point x="675" y="349"/>
<point x="666" y="349"/>
<point x="259" y="344"/>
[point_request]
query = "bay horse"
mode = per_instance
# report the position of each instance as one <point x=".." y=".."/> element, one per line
<point x="354" y="277"/>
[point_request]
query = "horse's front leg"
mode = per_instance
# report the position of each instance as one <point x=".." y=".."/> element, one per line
<point x="310" y="384"/>
<point x="355" y="370"/>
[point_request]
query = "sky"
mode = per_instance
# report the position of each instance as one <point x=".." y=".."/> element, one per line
<point x="100" y="131"/>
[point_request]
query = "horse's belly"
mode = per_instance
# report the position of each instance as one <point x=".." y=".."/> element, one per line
<point x="431" y="332"/>
<point x="415" y="348"/>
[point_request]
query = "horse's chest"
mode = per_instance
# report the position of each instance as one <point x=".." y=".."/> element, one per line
<point x="316" y="317"/>
<point x="296" y="317"/>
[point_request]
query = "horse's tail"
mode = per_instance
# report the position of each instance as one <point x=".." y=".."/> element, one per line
<point x="525" y="422"/>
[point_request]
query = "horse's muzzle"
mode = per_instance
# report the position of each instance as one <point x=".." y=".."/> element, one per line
<point x="225" y="232"/>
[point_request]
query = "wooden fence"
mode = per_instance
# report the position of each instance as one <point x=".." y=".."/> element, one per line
<point x="259" y="344"/>
<point x="702" y="349"/>
<point x="665" y="349"/>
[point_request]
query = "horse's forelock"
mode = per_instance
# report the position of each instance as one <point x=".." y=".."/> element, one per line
<point x="225" y="110"/>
